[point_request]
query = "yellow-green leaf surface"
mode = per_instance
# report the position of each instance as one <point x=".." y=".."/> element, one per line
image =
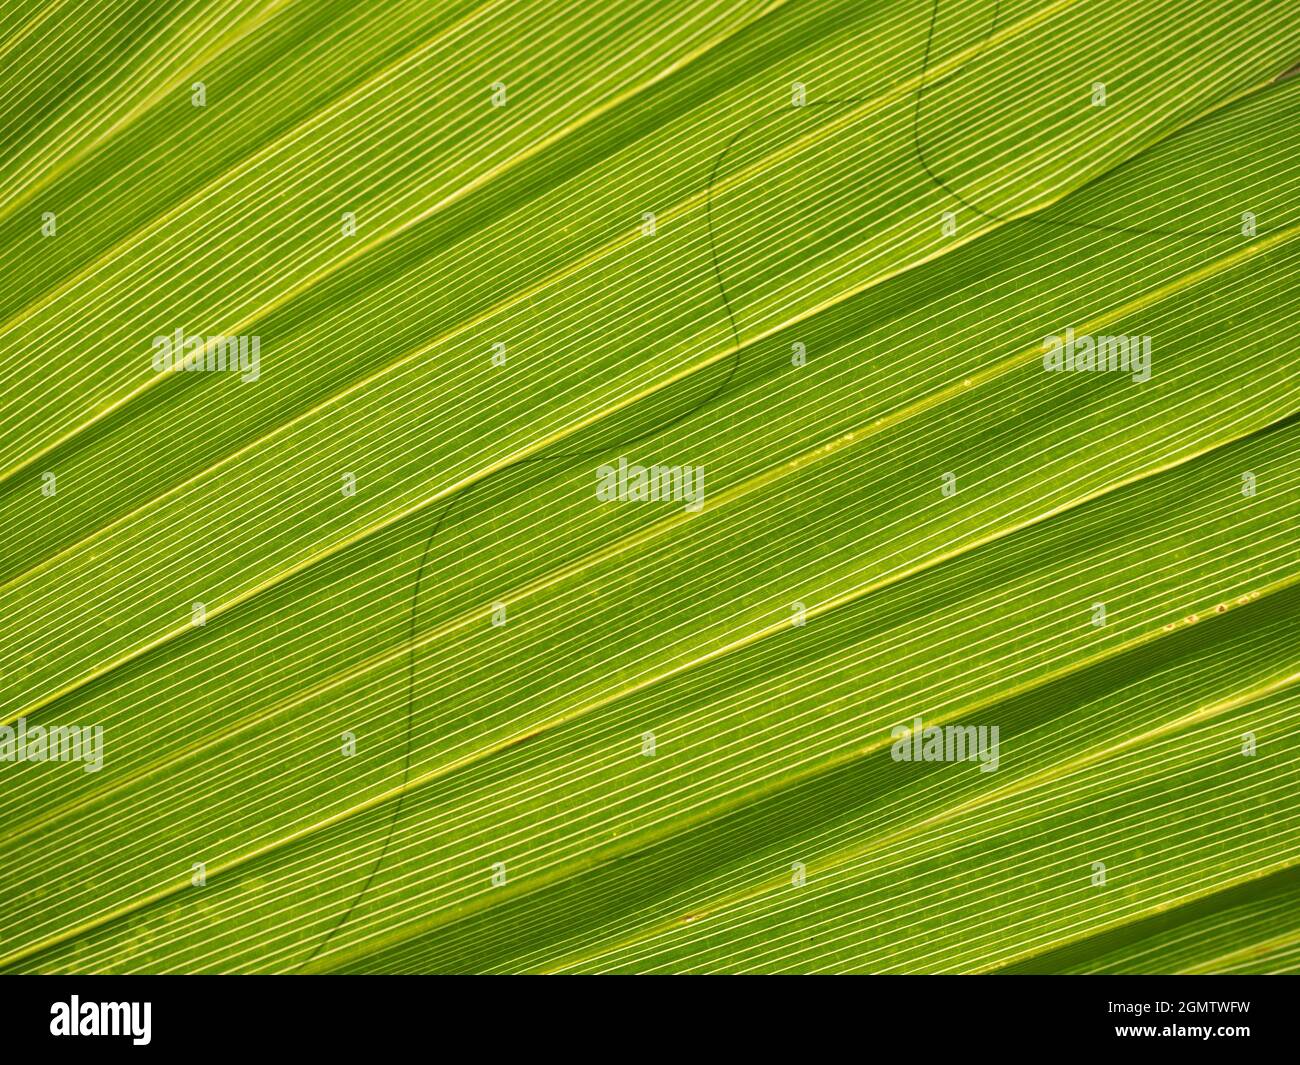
<point x="385" y="686"/>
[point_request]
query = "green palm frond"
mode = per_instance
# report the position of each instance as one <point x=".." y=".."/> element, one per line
<point x="385" y="685"/>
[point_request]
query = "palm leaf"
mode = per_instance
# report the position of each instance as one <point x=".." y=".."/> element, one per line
<point x="837" y="312"/>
